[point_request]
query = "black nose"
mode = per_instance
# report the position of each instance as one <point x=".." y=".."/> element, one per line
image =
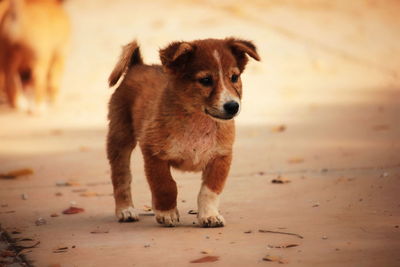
<point x="231" y="107"/>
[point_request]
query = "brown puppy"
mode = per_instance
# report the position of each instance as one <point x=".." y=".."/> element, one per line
<point x="33" y="39"/>
<point x="181" y="114"/>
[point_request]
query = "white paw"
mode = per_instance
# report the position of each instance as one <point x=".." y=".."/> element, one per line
<point x="208" y="202"/>
<point x="22" y="103"/>
<point x="211" y="221"/>
<point x="129" y="214"/>
<point x="167" y="218"/>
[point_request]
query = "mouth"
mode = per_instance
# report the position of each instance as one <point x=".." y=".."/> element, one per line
<point x="219" y="116"/>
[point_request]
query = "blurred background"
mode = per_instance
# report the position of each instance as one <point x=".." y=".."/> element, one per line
<point x="324" y="102"/>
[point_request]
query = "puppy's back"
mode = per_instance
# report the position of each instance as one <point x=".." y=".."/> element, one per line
<point x="140" y="90"/>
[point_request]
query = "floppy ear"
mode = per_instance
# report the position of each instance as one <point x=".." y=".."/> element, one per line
<point x="175" y="56"/>
<point x="241" y="48"/>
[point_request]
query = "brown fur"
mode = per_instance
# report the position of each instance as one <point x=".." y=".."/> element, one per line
<point x="176" y="119"/>
<point x="33" y="39"/>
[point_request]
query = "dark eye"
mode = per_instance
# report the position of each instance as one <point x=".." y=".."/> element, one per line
<point x="206" y="81"/>
<point x="234" y="78"/>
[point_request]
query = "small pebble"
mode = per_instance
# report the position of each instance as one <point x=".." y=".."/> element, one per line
<point x="61" y="183"/>
<point x="315" y="205"/>
<point x="385" y="174"/>
<point x="24" y="196"/>
<point x="147" y="245"/>
<point x="324" y="237"/>
<point x="40" y="221"/>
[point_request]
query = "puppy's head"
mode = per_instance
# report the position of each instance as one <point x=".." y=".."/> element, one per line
<point x="206" y="74"/>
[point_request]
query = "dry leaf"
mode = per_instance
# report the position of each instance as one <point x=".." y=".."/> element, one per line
<point x="89" y="194"/>
<point x="206" y="251"/>
<point x="73" y="210"/>
<point x="295" y="160"/>
<point x="280" y="180"/>
<point x="279" y="128"/>
<point x="274" y="259"/>
<point x="16" y="173"/>
<point x="279" y="232"/>
<point x="147" y="208"/>
<point x="192" y="212"/>
<point x="60" y="250"/>
<point x="284" y="246"/>
<point x="205" y="259"/>
<point x="67" y="183"/>
<point x="99" y="231"/>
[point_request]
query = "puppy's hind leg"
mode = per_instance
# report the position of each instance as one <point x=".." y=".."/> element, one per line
<point x="120" y="143"/>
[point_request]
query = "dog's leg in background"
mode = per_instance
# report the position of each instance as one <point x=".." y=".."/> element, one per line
<point x="163" y="189"/>
<point x="120" y="143"/>
<point x="54" y="75"/>
<point x="214" y="177"/>
<point x="39" y="84"/>
<point x="13" y="86"/>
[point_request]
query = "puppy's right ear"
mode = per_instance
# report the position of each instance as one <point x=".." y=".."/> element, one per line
<point x="175" y="56"/>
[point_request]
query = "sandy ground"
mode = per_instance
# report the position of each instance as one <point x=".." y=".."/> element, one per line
<point x="330" y="75"/>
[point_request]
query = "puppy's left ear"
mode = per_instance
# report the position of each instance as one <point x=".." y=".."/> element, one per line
<point x="241" y="48"/>
<point x="176" y="55"/>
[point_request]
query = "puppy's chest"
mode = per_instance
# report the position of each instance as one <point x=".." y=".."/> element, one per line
<point x="191" y="148"/>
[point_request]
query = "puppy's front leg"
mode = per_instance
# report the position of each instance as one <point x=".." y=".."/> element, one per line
<point x="214" y="177"/>
<point x="163" y="190"/>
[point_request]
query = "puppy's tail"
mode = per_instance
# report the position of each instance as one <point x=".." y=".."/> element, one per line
<point x="130" y="56"/>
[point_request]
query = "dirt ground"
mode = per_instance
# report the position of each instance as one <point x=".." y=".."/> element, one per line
<point x="321" y="109"/>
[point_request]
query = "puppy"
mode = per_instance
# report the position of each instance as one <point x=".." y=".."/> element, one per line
<point x="181" y="114"/>
<point x="33" y="40"/>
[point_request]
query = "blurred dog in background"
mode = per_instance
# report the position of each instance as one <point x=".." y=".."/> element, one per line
<point x="33" y="41"/>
